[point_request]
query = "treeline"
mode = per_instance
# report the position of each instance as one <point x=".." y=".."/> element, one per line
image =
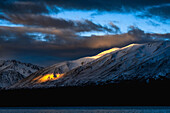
<point x="127" y="93"/>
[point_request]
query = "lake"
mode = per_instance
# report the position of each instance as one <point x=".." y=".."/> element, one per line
<point x="85" y="110"/>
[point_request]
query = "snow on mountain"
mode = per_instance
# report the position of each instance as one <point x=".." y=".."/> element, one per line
<point x="141" y="62"/>
<point x="11" y="71"/>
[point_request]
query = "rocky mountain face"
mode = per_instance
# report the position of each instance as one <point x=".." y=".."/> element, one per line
<point x="11" y="71"/>
<point x="135" y="62"/>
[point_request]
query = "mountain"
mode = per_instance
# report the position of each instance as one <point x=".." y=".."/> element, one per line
<point x="11" y="71"/>
<point x="135" y="62"/>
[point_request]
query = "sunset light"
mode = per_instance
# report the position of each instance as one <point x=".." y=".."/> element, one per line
<point x="104" y="52"/>
<point x="84" y="56"/>
<point x="48" y="77"/>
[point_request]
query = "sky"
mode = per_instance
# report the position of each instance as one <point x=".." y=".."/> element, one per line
<point x="45" y="32"/>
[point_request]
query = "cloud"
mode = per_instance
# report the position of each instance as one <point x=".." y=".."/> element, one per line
<point x="46" y="21"/>
<point x="160" y="10"/>
<point x="22" y="7"/>
<point x="117" y="29"/>
<point x="43" y="39"/>
<point x="40" y="6"/>
<point x="16" y="43"/>
<point x="19" y="34"/>
<point x="103" y="5"/>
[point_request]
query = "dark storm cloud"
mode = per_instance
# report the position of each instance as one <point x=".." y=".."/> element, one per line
<point x="19" y="39"/>
<point x="45" y="21"/>
<point x="161" y="10"/>
<point x="40" y="6"/>
<point x="22" y="7"/>
<point x="15" y="43"/>
<point x="61" y="36"/>
<point x="21" y="33"/>
<point x="106" y="5"/>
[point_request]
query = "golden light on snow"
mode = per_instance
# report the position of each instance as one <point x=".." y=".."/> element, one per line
<point x="104" y="52"/>
<point x="129" y="46"/>
<point x="110" y="51"/>
<point x="48" y="77"/>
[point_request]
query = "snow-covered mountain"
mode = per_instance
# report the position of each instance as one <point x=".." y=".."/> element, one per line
<point x="11" y="71"/>
<point x="140" y="62"/>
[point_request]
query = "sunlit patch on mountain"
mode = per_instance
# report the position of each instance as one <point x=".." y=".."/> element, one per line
<point x="48" y="77"/>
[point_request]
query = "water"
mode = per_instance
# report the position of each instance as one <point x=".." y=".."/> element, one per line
<point x="86" y="110"/>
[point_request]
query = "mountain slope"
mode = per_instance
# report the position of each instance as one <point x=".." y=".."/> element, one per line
<point x="11" y="71"/>
<point x="51" y="72"/>
<point x="139" y="62"/>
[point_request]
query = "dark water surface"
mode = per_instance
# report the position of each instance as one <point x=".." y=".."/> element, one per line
<point x="85" y="110"/>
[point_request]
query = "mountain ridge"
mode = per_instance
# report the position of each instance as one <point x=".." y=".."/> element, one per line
<point x="11" y="71"/>
<point x="134" y="62"/>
